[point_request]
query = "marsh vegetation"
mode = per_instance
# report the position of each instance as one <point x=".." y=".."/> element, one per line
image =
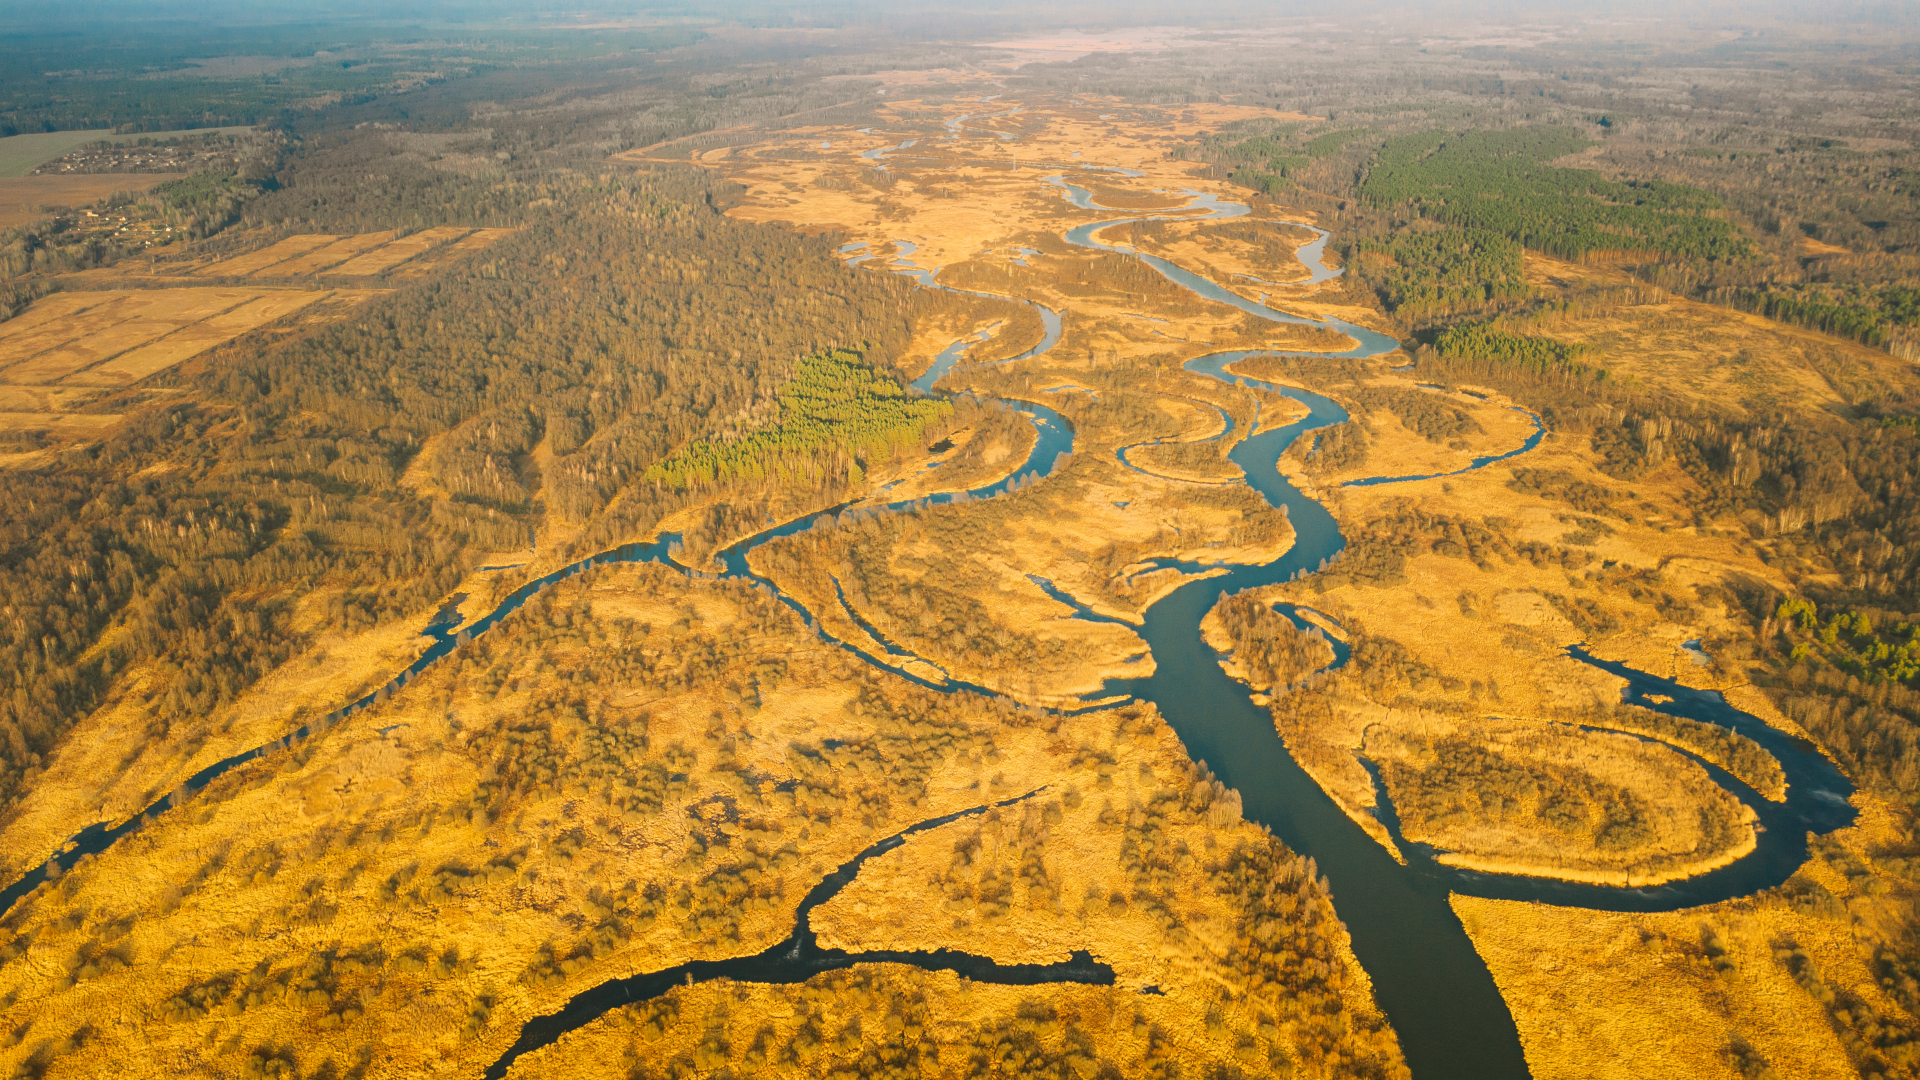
<point x="1708" y="312"/>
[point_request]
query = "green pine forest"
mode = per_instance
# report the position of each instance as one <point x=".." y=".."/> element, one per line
<point x="834" y="401"/>
<point x="1503" y="182"/>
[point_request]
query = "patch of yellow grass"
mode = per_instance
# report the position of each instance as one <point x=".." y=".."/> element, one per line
<point x="1605" y="996"/>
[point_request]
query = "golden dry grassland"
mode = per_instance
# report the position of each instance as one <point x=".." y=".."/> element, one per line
<point x="1632" y="586"/>
<point x="1504" y="567"/>
<point x="1095" y="525"/>
<point x="1244" y="255"/>
<point x="1600" y="995"/>
<point x="595" y="790"/>
<point x="456" y="859"/>
<point x="1779" y="981"/>
<point x="1711" y="353"/>
<point x="1509" y="566"/>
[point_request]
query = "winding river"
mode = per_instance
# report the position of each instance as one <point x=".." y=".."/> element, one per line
<point x="1439" y="996"/>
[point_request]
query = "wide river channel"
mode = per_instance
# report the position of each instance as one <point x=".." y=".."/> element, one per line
<point x="1433" y="986"/>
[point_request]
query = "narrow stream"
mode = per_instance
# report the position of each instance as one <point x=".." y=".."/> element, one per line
<point x="1226" y="431"/>
<point x="799" y="957"/>
<point x="1450" y="1017"/>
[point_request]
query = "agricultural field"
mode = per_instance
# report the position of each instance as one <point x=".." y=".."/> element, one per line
<point x="363" y="255"/>
<point x="71" y="348"/>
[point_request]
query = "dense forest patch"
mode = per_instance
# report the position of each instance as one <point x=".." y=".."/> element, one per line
<point x="1527" y="355"/>
<point x="1435" y="270"/>
<point x="832" y="402"/>
<point x="1501" y="181"/>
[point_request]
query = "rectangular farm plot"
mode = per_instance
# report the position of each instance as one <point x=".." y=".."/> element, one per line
<point x="110" y="338"/>
<point x="67" y="424"/>
<point x="191" y="341"/>
<point x="480" y="239"/>
<point x="242" y="265"/>
<point x="183" y="306"/>
<point x="113" y="323"/>
<point x="53" y="321"/>
<point x="84" y="352"/>
<point x="382" y="259"/>
<point x="319" y="259"/>
<point x="483" y="237"/>
<point x="359" y="255"/>
<point x="48" y="308"/>
<point x="44" y="399"/>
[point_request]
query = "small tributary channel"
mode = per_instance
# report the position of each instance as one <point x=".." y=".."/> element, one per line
<point x="799" y="957"/>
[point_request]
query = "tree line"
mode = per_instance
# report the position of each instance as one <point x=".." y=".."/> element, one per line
<point x="1526" y="356"/>
<point x="1882" y="318"/>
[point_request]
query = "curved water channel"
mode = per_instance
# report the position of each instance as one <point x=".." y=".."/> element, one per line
<point x="799" y="957"/>
<point x="1450" y="1017"/>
